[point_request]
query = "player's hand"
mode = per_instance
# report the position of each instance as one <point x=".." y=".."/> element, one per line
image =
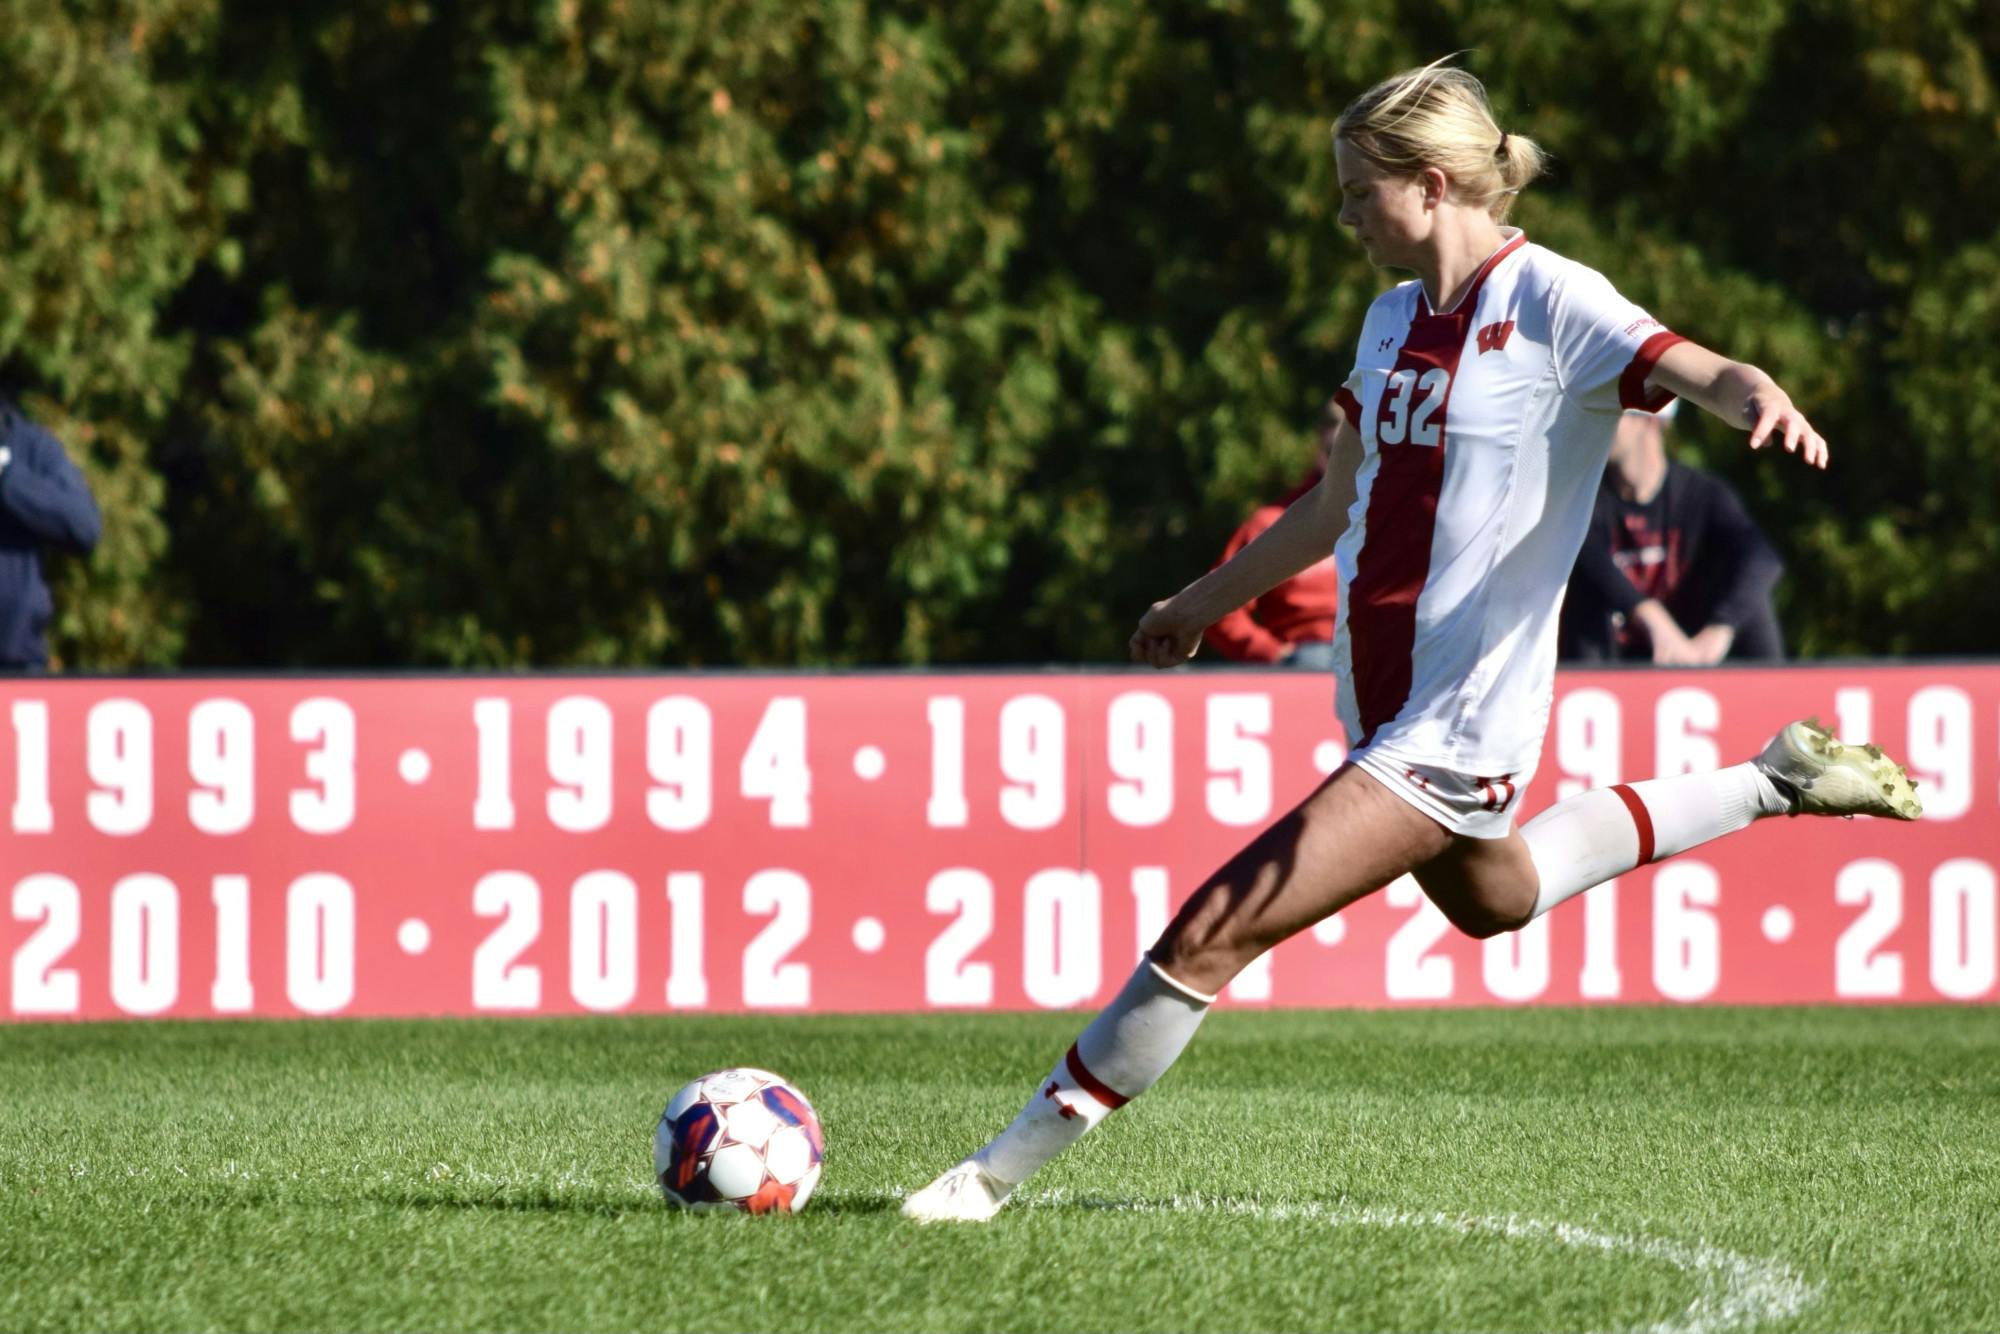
<point x="1164" y="639"/>
<point x="1772" y="417"/>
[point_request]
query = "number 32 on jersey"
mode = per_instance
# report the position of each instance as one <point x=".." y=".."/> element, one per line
<point x="1410" y="405"/>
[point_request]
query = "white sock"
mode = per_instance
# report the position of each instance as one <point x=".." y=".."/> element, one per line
<point x="1119" y="1056"/>
<point x="1607" y="831"/>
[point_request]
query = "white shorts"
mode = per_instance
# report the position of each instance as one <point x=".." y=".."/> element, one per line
<point x="1477" y="807"/>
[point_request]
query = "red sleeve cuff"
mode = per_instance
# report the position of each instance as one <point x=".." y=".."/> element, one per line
<point x="1349" y="406"/>
<point x="1632" y="384"/>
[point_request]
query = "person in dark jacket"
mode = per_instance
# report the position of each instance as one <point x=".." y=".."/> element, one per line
<point x="1673" y="570"/>
<point x="44" y="501"/>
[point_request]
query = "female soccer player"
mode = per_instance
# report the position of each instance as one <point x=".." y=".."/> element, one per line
<point x="1479" y="414"/>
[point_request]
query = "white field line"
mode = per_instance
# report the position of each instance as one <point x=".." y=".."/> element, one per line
<point x="1736" y="1291"/>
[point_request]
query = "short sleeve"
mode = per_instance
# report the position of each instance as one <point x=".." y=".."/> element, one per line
<point x="1605" y="346"/>
<point x="1348" y="398"/>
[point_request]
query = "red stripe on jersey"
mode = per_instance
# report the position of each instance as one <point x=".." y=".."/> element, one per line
<point x="1395" y="558"/>
<point x="1641" y="818"/>
<point x="1091" y="1084"/>
<point x="1632" y="384"/>
<point x="1350" y="407"/>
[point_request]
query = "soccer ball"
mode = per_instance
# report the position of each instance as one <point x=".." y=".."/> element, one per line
<point x="739" y="1139"/>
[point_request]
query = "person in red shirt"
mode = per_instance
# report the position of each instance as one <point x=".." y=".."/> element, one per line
<point x="1292" y="623"/>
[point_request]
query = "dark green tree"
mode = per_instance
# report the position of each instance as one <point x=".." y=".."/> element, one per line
<point x="548" y="332"/>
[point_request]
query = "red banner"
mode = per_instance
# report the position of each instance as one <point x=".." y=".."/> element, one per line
<point x="901" y="842"/>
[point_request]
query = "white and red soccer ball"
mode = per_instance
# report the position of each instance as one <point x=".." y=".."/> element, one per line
<point x="739" y="1139"/>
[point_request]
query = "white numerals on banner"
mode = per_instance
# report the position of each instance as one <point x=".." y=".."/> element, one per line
<point x="120" y="761"/>
<point x="1962" y="929"/>
<point x="319" y="943"/>
<point x="145" y="944"/>
<point x="687" y="983"/>
<point x="680" y="744"/>
<point x="1062" y="946"/>
<point x="493" y="806"/>
<point x="221" y="762"/>
<point x="774" y="768"/>
<point x="1253" y="984"/>
<point x="1600" y="978"/>
<point x="579" y="764"/>
<point x="1139" y="751"/>
<point x="328" y="806"/>
<point x="768" y="981"/>
<point x="680" y="760"/>
<point x="1239" y="793"/>
<point x="39" y="987"/>
<point x="499" y="980"/>
<point x="966" y="896"/>
<point x="1854" y="714"/>
<point x="946" y="808"/>
<point x="604" y="940"/>
<point x="1515" y="964"/>
<point x="1941" y="750"/>
<point x="144" y="920"/>
<point x="1149" y="904"/>
<point x="231" y="992"/>
<point x="1413" y="972"/>
<point x="1861" y="967"/>
<point x="32" y="812"/>
<point x="1687" y="944"/>
<point x="1684" y="723"/>
<point x="1032" y="758"/>
<point x="1589" y="741"/>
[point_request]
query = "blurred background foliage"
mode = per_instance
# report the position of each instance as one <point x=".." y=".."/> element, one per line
<point x="587" y="332"/>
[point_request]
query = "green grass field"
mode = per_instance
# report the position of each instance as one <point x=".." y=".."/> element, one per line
<point x="1643" y="1169"/>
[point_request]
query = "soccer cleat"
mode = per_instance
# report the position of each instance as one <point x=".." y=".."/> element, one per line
<point x="1822" y="775"/>
<point x="967" y="1193"/>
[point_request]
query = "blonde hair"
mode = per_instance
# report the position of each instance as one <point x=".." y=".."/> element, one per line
<point x="1439" y="117"/>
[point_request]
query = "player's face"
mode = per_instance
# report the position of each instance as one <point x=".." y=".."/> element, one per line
<point x="1385" y="213"/>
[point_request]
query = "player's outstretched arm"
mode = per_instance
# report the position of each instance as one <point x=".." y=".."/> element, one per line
<point x="1171" y="631"/>
<point x="1741" y="395"/>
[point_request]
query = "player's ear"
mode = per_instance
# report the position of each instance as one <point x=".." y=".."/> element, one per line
<point x="1435" y="185"/>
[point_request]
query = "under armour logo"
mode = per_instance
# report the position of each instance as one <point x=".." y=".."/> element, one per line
<point x="1494" y="336"/>
<point x="1068" y="1112"/>
<point x="1384" y="345"/>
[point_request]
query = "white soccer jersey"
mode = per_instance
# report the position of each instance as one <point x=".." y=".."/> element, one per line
<point x="1486" y="430"/>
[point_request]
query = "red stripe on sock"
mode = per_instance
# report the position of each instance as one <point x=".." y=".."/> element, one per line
<point x="1091" y="1084"/>
<point x="1640" y="817"/>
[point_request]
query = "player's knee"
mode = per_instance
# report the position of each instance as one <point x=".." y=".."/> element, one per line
<point x="1487" y="917"/>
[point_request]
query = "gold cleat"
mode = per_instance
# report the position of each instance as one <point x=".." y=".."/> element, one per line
<point x="1822" y="775"/>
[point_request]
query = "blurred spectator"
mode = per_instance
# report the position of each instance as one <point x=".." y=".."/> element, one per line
<point x="43" y="500"/>
<point x="1293" y="623"/>
<point x="1672" y="570"/>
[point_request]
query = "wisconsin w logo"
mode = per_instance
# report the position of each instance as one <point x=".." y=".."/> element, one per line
<point x="1493" y="337"/>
